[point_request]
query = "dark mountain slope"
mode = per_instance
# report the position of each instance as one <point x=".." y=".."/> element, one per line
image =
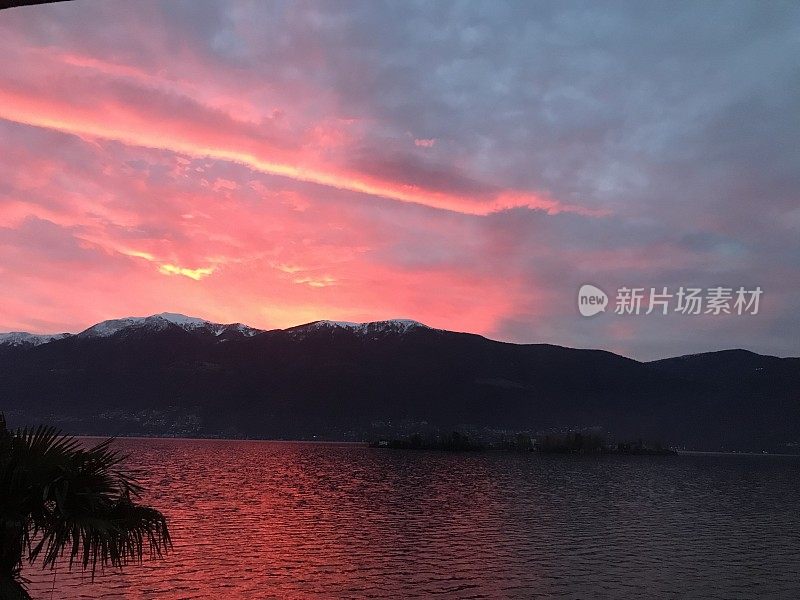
<point x="348" y="381"/>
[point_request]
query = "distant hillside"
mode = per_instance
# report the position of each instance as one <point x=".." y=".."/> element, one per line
<point x="174" y="375"/>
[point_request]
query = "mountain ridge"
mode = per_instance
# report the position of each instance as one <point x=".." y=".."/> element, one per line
<point x="112" y="326"/>
<point x="344" y="381"/>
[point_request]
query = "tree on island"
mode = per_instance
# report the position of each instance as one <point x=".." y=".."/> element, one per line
<point x="572" y="443"/>
<point x="59" y="499"/>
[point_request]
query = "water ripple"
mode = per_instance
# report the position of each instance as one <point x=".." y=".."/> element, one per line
<point x="256" y="520"/>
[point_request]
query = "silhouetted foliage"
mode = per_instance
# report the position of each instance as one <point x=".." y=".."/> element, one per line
<point x="588" y="443"/>
<point x="522" y="442"/>
<point x="641" y="447"/>
<point x="572" y="443"/>
<point x="58" y="499"/>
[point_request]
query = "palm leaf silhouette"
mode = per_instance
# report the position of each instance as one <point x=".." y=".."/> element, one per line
<point x="59" y="499"/>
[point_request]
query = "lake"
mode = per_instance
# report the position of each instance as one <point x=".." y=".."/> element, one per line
<point x="292" y="520"/>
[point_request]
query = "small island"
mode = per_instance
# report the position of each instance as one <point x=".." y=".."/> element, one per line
<point x="570" y="443"/>
<point x="453" y="442"/>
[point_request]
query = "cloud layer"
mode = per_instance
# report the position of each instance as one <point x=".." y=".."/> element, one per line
<point x="469" y="165"/>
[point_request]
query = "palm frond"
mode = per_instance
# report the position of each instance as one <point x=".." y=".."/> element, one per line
<point x="11" y="589"/>
<point x="65" y="500"/>
<point x="113" y="535"/>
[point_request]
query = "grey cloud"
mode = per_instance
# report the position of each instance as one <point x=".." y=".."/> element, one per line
<point x="680" y="118"/>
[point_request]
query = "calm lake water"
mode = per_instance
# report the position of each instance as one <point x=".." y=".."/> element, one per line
<point x="294" y="520"/>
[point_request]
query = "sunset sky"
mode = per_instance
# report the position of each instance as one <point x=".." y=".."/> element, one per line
<point x="467" y="165"/>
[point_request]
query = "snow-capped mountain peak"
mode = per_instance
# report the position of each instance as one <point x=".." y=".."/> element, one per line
<point x="112" y="326"/>
<point x="368" y="328"/>
<point x="23" y="338"/>
<point x="182" y="320"/>
<point x="164" y="321"/>
<point x="223" y="331"/>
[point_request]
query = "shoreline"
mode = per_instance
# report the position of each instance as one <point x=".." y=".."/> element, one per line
<point x="366" y="444"/>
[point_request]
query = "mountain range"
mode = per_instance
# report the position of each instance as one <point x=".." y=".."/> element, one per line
<point x="170" y="374"/>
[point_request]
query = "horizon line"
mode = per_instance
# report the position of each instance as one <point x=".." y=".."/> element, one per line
<point x="343" y="323"/>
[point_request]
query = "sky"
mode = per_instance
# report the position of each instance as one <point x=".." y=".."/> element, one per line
<point x="469" y="165"/>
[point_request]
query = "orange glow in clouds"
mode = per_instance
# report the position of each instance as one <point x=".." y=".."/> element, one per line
<point x="124" y="180"/>
<point x="132" y="131"/>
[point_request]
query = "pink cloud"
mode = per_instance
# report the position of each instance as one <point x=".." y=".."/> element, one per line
<point x="142" y="171"/>
<point x="98" y="99"/>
